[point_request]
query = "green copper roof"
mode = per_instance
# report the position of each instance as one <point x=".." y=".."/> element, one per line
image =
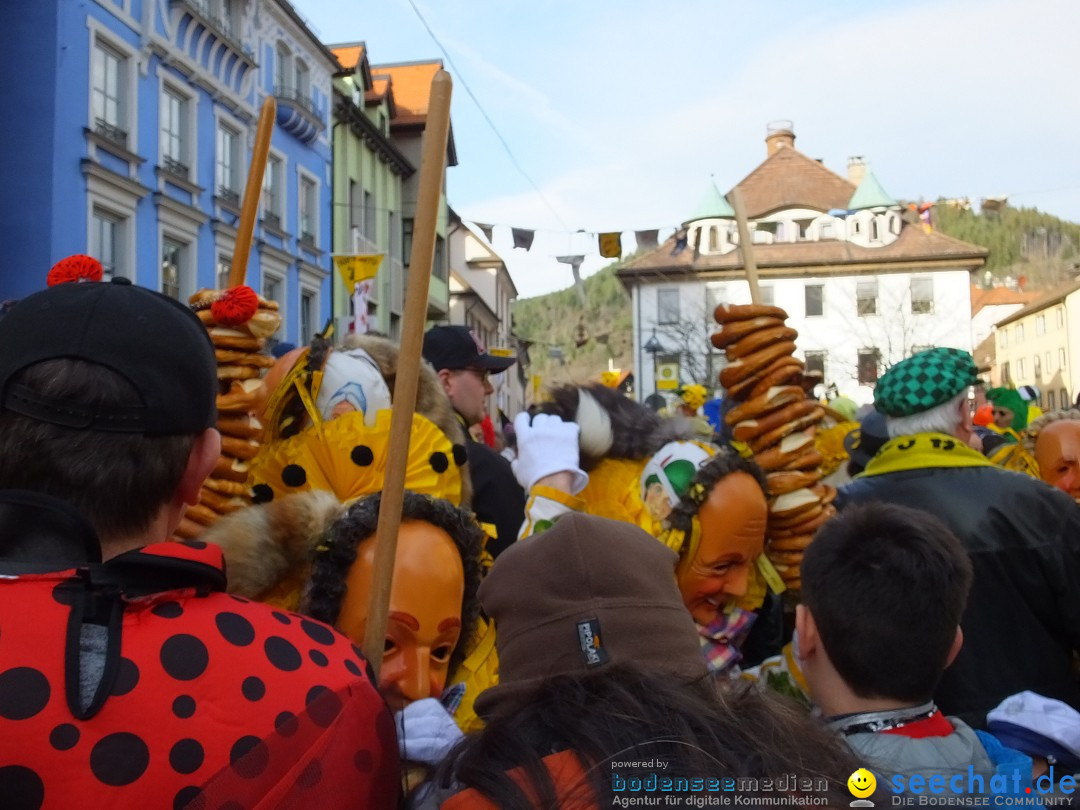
<point x="870" y="194"/>
<point x="712" y="206"/>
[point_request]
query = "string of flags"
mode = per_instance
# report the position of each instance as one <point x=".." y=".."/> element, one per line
<point x="609" y="243"/>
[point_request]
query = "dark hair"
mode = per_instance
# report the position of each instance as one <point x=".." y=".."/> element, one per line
<point x="886" y="586"/>
<point x="725" y="462"/>
<point x="118" y="481"/>
<point x="358" y="522"/>
<point x="707" y="728"/>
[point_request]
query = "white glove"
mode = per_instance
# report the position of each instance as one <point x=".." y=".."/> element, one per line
<point x="547" y="445"/>
<point x="426" y="732"/>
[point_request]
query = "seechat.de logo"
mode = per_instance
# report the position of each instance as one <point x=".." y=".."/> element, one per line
<point x="861" y="784"/>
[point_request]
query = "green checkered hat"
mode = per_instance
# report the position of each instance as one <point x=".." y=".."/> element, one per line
<point x="924" y="380"/>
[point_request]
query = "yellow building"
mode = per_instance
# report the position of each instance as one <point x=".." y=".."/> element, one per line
<point x="1035" y="346"/>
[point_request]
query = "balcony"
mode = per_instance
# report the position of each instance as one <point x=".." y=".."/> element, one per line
<point x="175" y="167"/>
<point x="111" y="133"/>
<point x="212" y="41"/>
<point x="297" y="114"/>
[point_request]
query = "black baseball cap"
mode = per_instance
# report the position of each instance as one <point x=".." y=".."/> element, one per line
<point x="154" y="342"/>
<point x="863" y="442"/>
<point x="458" y="347"/>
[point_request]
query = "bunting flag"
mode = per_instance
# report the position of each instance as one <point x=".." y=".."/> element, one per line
<point x="487" y="230"/>
<point x="611" y="245"/>
<point x="357" y="268"/>
<point x="523" y="237"/>
<point x="647" y="240"/>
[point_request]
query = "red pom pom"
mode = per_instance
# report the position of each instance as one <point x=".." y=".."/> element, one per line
<point x="75" y="268"/>
<point x="236" y="306"/>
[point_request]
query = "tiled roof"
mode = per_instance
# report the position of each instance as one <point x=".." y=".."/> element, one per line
<point x="913" y="245"/>
<point x="788" y="179"/>
<point x="1000" y="296"/>
<point x="1045" y="299"/>
<point x="349" y="55"/>
<point x="412" y="88"/>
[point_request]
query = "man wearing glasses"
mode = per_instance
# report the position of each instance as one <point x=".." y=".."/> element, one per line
<point x="464" y="368"/>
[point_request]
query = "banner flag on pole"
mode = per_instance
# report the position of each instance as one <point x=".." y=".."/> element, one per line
<point x="523" y="237"/>
<point x="611" y="245"/>
<point x="357" y="268"/>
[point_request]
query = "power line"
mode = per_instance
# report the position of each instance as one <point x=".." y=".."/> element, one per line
<point x="483" y="112"/>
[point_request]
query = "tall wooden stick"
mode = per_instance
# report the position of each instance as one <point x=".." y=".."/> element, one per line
<point x="746" y="247"/>
<point x="432" y="163"/>
<point x="252" y="192"/>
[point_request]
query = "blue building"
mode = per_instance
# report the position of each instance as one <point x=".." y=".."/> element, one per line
<point x="131" y="125"/>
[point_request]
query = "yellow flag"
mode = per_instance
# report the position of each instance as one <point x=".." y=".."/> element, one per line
<point x="354" y="269"/>
<point x="611" y="245"/>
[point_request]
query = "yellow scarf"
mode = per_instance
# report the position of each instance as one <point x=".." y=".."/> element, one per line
<point x="922" y="450"/>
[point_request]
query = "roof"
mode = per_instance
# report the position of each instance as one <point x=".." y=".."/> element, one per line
<point x="712" y="206"/>
<point x="412" y="88"/>
<point x="870" y="194"/>
<point x="789" y="179"/>
<point x="353" y="58"/>
<point x="1045" y="300"/>
<point x="913" y="245"/>
<point x="302" y="24"/>
<point x="1001" y="296"/>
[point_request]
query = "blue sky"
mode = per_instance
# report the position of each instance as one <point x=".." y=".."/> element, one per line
<point x="620" y="112"/>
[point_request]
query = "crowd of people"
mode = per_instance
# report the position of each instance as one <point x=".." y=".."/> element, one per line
<point x="587" y="613"/>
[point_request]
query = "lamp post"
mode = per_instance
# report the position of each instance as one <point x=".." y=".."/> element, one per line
<point x="654" y="347"/>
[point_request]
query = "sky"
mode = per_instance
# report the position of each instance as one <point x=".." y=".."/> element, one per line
<point x="621" y="112"/>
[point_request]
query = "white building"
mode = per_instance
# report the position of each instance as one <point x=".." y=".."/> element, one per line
<point x="863" y="286"/>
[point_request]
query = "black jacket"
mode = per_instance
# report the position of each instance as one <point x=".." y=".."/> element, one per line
<point x="1022" y="623"/>
<point x="497" y="496"/>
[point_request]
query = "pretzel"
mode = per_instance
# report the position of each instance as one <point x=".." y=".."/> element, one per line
<point x="754" y="384"/>
<point x="767" y="440"/>
<point x="241" y="397"/>
<point x="223" y="338"/>
<point x="230" y="488"/>
<point x="737" y="330"/>
<point x="811" y="525"/>
<point x="764" y="404"/>
<point x="241" y="426"/>
<point x="234" y="372"/>
<point x="239" y="448"/>
<point x="231" y="469"/>
<point x="221" y="504"/>
<point x="753" y="363"/>
<point x="795" y="452"/>
<point x="244" y="358"/>
<point x="792" y="558"/>
<point x="752" y="428"/>
<point x="786" y="481"/>
<point x="724" y="313"/>
<point x="804" y="515"/>
<point x="202" y="514"/>
<point x="793" y="503"/>
<point x="759" y="340"/>
<point x="796" y="543"/>
<point x="188" y="529"/>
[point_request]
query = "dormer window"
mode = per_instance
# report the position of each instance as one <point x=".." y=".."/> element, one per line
<point x="714" y="239"/>
<point x="874" y="230"/>
<point x="856" y="227"/>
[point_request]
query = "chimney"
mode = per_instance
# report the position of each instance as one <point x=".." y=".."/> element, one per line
<point x="856" y="169"/>
<point x="779" y="135"/>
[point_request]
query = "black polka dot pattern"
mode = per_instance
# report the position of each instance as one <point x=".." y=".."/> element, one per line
<point x="21" y="788"/>
<point x="186" y="797"/>
<point x="461" y="455"/>
<point x="127" y="678"/>
<point x="23" y="693"/>
<point x="119" y="759"/>
<point x="281" y="617"/>
<point x="66" y="593"/>
<point x="354" y="668"/>
<point x="311" y="775"/>
<point x="439" y="462"/>
<point x="64" y="737"/>
<point x="235" y="629"/>
<point x="323" y="706"/>
<point x="282" y="654"/>
<point x="168" y="610"/>
<point x="184" y="657"/>
<point x="184" y="706"/>
<point x="186" y="756"/>
<point x="364" y="761"/>
<point x="319" y="633"/>
<point x="362" y="456"/>
<point x="262" y="493"/>
<point x="318" y="659"/>
<point x="286" y="724"/>
<point x="249" y="757"/>
<point x="293" y="475"/>
<point x="253" y="688"/>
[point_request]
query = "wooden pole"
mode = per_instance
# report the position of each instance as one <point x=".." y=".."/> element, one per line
<point x="252" y="192"/>
<point x="432" y="164"/>
<point x="746" y="246"/>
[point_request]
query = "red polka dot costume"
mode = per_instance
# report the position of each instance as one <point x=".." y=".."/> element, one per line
<point x="206" y="700"/>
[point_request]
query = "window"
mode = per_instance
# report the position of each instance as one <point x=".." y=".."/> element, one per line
<point x="303" y="79"/>
<point x="1019" y="333"/>
<point x="1004" y="338"/>
<point x="815" y="361"/>
<point x="869" y="361"/>
<point x="1065" y="401"/>
<point x="106" y="242"/>
<point x="1036" y="367"/>
<point x="369" y="216"/>
<point x="1051" y="399"/>
<point x="922" y="296"/>
<point x="438" y="268"/>
<point x="174" y="123"/>
<point x="1040" y="325"/>
<point x="281" y="68"/>
<point x="667" y="306"/>
<point x="406" y="240"/>
<point x="224" y="268"/>
<point x="1061" y="360"/>
<point x="1006" y="376"/>
<point x="874" y="230"/>
<point x="714" y="239"/>
<point x="309" y="222"/>
<point x="894" y="224"/>
<point x="225" y="16"/>
<point x="273" y="192"/>
<point x="354" y="205"/>
<point x="1049" y="367"/>
<point x="714" y="297"/>
<point x="307" y="316"/>
<point x="171" y="257"/>
<point x="395" y="234"/>
<point x="1020" y="369"/>
<point x="827" y="229"/>
<point x="1060" y="317"/>
<point x="108" y="86"/>
<point x="766" y="294"/>
<point x="866" y="297"/>
<point x="815" y="300"/>
<point x="271" y="288"/>
<point x="228" y="163"/>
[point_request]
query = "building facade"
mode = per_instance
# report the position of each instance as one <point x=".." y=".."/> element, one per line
<point x="135" y="143"/>
<point x="863" y="286"/>
<point x="481" y="295"/>
<point x="1034" y="347"/>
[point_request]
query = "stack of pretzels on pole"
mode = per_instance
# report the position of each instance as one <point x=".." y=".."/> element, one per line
<point x="238" y="321"/>
<point x="776" y="420"/>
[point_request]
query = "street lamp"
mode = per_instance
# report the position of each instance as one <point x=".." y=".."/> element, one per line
<point x="653" y="346"/>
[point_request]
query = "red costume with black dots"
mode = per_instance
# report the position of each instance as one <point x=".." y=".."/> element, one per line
<point x="206" y="700"/>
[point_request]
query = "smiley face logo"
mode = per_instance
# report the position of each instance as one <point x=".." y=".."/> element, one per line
<point x="861" y="783"/>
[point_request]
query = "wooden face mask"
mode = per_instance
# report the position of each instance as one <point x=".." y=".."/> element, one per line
<point x="424" y="621"/>
<point x="1057" y="451"/>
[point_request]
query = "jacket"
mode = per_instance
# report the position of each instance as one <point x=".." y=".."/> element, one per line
<point x="139" y="683"/>
<point x="497" y="497"/>
<point x="1022" y="621"/>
